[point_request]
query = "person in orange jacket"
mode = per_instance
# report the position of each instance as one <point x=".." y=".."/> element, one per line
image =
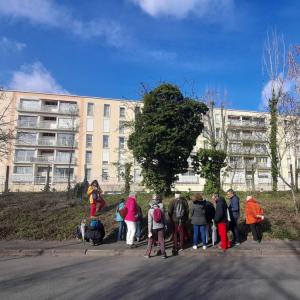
<point x="96" y="200"/>
<point x="254" y="216"/>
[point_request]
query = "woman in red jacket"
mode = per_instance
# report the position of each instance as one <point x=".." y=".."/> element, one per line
<point x="254" y="216"/>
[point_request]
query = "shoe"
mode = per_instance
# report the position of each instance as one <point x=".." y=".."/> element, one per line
<point x="158" y="253"/>
<point x="147" y="256"/>
<point x="132" y="246"/>
<point x="181" y="249"/>
<point x="164" y="256"/>
<point x="174" y="252"/>
<point x="195" y="247"/>
<point x="204" y="247"/>
<point x="237" y="244"/>
<point x="138" y="239"/>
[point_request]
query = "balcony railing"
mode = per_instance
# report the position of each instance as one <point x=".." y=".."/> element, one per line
<point x="45" y="125"/>
<point x="247" y="137"/>
<point x="188" y="179"/>
<point x="22" y="177"/>
<point x="248" y="151"/>
<point x="71" y="110"/>
<point x="240" y="123"/>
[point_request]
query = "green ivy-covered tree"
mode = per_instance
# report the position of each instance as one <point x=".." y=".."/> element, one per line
<point x="165" y="134"/>
<point x="208" y="163"/>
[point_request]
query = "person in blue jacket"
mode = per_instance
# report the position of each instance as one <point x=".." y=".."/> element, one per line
<point x="234" y="211"/>
<point x="122" y="225"/>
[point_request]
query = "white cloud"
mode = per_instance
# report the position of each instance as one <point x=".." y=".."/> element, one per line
<point x="35" y="78"/>
<point x="182" y="8"/>
<point x="51" y="14"/>
<point x="275" y="86"/>
<point x="11" y="45"/>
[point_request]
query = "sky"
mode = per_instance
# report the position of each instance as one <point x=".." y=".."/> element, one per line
<point x="115" y="48"/>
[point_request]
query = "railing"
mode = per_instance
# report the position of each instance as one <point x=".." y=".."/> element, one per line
<point x="45" y="125"/>
<point x="71" y="110"/>
<point x="188" y="179"/>
<point x="248" y="151"/>
<point x="46" y="142"/>
<point x="22" y="177"/>
<point x="246" y="123"/>
<point x="247" y="137"/>
<point x="27" y="124"/>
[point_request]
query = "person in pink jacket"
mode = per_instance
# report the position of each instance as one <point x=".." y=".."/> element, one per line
<point x="131" y="219"/>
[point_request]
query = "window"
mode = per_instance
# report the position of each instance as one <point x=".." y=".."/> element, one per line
<point x="137" y="110"/>
<point x="121" y="158"/>
<point x="105" y="141"/>
<point x="64" y="156"/>
<point x="89" y="125"/>
<point x="65" y="139"/>
<point x="23" y="170"/>
<point x="121" y="142"/>
<point x="88" y="174"/>
<point x="105" y="175"/>
<point x="63" y="172"/>
<point x="217" y="132"/>
<point x="106" y="125"/>
<point x="122" y="127"/>
<point x="88" y="157"/>
<point x="137" y="175"/>
<point x="90" y="109"/>
<point x="105" y="157"/>
<point x="30" y="104"/>
<point x="26" y="137"/>
<point x="122" y="112"/>
<point x="68" y="107"/>
<point x="28" y="121"/>
<point x="89" y="140"/>
<point x="24" y="155"/>
<point x="66" y="123"/>
<point x="262" y="160"/>
<point x="218" y="119"/>
<point x="106" y="110"/>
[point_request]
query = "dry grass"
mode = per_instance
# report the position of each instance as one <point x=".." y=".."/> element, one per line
<point x="51" y="216"/>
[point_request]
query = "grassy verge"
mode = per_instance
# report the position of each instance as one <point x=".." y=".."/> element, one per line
<point x="51" y="216"/>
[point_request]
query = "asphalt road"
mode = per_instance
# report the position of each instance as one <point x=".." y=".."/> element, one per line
<point x="48" y="277"/>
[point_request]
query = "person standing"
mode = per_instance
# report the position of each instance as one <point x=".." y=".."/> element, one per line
<point x="254" y="216"/>
<point x="179" y="213"/>
<point x="156" y="227"/>
<point x="131" y="219"/>
<point x="221" y="220"/>
<point x="96" y="201"/>
<point x="139" y="223"/>
<point x="199" y="220"/>
<point x="122" y="226"/>
<point x="234" y="211"/>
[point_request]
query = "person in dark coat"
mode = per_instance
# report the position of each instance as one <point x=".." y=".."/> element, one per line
<point x="179" y="214"/>
<point x="234" y="210"/>
<point x="221" y="220"/>
<point x="199" y="220"/>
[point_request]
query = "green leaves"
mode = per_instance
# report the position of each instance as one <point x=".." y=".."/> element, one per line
<point x="208" y="163"/>
<point x="164" y="136"/>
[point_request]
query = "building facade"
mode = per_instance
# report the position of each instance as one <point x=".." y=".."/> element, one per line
<point x="64" y="138"/>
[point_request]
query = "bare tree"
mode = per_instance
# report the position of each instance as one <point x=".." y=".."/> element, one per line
<point x="6" y="124"/>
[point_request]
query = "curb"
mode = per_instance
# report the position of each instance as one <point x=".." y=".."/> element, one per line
<point x="135" y="252"/>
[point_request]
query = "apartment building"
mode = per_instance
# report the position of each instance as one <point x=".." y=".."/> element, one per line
<point x="77" y="137"/>
<point x="68" y="137"/>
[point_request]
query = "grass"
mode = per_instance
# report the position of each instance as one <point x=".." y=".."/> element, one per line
<point x="51" y="216"/>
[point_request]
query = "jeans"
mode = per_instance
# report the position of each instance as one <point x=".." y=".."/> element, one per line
<point x="138" y="233"/>
<point x="159" y="235"/>
<point x="233" y="225"/>
<point x="121" y="231"/>
<point x="131" y="229"/>
<point x="202" y="230"/>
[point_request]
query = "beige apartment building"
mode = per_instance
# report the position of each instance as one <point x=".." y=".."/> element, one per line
<point x="78" y="136"/>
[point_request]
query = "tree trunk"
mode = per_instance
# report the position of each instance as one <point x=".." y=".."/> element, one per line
<point x="6" y="180"/>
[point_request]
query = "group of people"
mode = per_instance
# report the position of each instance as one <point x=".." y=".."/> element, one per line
<point x="208" y="218"/>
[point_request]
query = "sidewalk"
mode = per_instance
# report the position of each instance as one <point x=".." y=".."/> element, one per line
<point x="78" y="248"/>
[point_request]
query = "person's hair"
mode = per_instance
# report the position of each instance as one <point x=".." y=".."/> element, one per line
<point x="231" y="191"/>
<point x="95" y="182"/>
<point x="122" y="200"/>
<point x="198" y="196"/>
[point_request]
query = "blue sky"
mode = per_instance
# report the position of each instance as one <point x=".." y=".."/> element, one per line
<point x="108" y="48"/>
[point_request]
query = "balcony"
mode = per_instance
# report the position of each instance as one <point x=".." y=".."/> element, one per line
<point x="247" y="137"/>
<point x="22" y="178"/>
<point x="45" y="125"/>
<point x="248" y="151"/>
<point x="185" y="179"/>
<point x="240" y="123"/>
<point x="70" y="110"/>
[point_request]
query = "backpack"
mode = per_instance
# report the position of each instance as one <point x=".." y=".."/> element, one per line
<point x="179" y="209"/>
<point x="123" y="212"/>
<point x="157" y="215"/>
